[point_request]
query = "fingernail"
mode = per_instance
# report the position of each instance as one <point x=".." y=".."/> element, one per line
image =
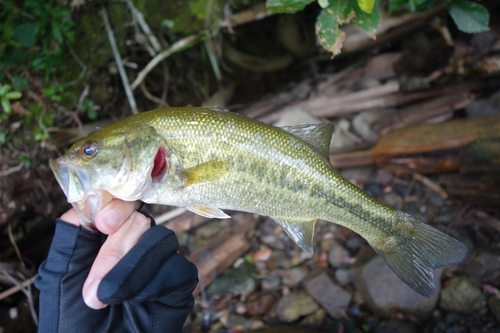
<point x="90" y="296"/>
<point x="109" y="220"/>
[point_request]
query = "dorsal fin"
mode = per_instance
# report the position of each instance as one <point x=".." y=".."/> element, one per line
<point x="316" y="135"/>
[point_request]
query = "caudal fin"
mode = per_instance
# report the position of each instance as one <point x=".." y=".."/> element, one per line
<point x="417" y="250"/>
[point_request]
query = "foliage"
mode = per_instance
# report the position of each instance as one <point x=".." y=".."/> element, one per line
<point x="469" y="16"/>
<point x="6" y="96"/>
<point x="32" y="37"/>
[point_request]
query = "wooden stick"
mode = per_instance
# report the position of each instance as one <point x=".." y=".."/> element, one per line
<point x="119" y="62"/>
<point x="176" y="47"/>
<point x="223" y="250"/>
<point x="16" y="288"/>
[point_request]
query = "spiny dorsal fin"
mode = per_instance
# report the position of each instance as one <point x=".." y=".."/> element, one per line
<point x="316" y="135"/>
<point x="302" y="233"/>
<point x="206" y="172"/>
<point x="210" y="212"/>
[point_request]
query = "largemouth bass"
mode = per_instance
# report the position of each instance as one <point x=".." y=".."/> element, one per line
<point x="210" y="160"/>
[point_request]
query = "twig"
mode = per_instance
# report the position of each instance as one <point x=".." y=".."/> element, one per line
<point x="12" y="170"/>
<point x="119" y="62"/>
<point x="170" y="215"/>
<point x="26" y="291"/>
<point x="176" y="47"/>
<point x="150" y="96"/>
<point x="431" y="185"/>
<point x="145" y="27"/>
<point x="13" y="242"/>
<point x="16" y="288"/>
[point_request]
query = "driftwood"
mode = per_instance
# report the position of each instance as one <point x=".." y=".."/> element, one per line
<point x="223" y="250"/>
<point x="433" y="148"/>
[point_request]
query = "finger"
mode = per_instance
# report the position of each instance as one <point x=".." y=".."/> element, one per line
<point x="113" y="250"/>
<point x="71" y="216"/>
<point x="114" y="214"/>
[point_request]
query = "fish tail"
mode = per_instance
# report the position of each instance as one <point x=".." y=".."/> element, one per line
<point x="414" y="249"/>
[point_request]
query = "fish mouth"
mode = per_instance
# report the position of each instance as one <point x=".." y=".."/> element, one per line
<point x="73" y="181"/>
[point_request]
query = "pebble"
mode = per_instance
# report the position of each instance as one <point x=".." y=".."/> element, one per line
<point x="392" y="199"/>
<point x="336" y="255"/>
<point x="383" y="291"/>
<point x="238" y="281"/>
<point x="314" y="320"/>
<point x="281" y="259"/>
<point x="332" y="298"/>
<point x="354" y="242"/>
<point x="456" y="329"/>
<point x="373" y="189"/>
<point x="258" y="305"/>
<point x="484" y="266"/>
<point x="343" y="276"/>
<point x="295" y="305"/>
<point x="394" y="327"/>
<point x="271" y="283"/>
<point x="452" y="318"/>
<point x="462" y="295"/>
<point x="292" y="277"/>
<point x="494" y="306"/>
<point x="363" y="121"/>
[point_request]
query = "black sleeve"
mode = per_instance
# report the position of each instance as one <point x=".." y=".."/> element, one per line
<point x="149" y="290"/>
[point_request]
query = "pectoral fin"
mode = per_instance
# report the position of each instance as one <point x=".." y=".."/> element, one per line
<point x="302" y="233"/>
<point x="206" y="172"/>
<point x="211" y="213"/>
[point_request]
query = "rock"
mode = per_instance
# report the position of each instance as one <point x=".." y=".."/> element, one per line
<point x="292" y="277"/>
<point x="271" y="282"/>
<point x="332" y="298"/>
<point x="258" y="305"/>
<point x="340" y="140"/>
<point x="295" y="305"/>
<point x="383" y="177"/>
<point x="456" y="329"/>
<point x="462" y="295"/>
<point x="394" y="327"/>
<point x="494" y="306"/>
<point x="240" y="323"/>
<point x="392" y="199"/>
<point x="314" y="320"/>
<point x="383" y="291"/>
<point x="336" y="255"/>
<point x="363" y="121"/>
<point x="452" y="318"/>
<point x="484" y="266"/>
<point x="237" y="281"/>
<point x="296" y="116"/>
<point x="343" y="276"/>
<point x="281" y="259"/>
<point x="373" y="189"/>
<point x="354" y="242"/>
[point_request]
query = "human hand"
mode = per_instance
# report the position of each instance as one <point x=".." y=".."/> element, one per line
<point x="136" y="271"/>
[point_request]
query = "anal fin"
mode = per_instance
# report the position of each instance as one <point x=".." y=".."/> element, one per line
<point x="302" y="232"/>
<point x="210" y="212"/>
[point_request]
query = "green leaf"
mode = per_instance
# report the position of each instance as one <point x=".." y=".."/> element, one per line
<point x="4" y="89"/>
<point x="286" y="6"/>
<point x="469" y="17"/>
<point x="25" y="34"/>
<point x="328" y="31"/>
<point x="13" y="95"/>
<point x="396" y="4"/>
<point x="6" y="105"/>
<point x="366" y="5"/>
<point x="323" y="3"/>
<point x="367" y="22"/>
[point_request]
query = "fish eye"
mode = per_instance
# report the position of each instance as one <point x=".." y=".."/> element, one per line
<point x="89" y="149"/>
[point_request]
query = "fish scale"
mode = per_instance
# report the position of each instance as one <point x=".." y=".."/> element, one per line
<point x="221" y="160"/>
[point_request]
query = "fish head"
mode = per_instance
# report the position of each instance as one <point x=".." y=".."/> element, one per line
<point x="114" y="162"/>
